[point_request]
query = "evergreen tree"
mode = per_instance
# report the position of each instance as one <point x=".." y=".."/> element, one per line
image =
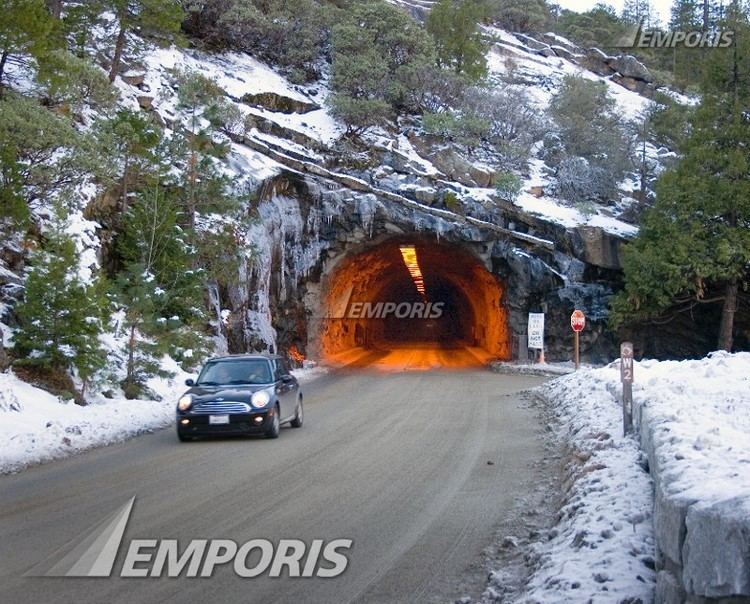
<point x="131" y="142"/>
<point x="74" y="81"/>
<point x="196" y="147"/>
<point x="599" y="27"/>
<point x="639" y="12"/>
<point x="36" y="154"/>
<point x="79" y="21"/>
<point x="455" y="27"/>
<point x="158" y="18"/>
<point x="61" y="317"/>
<point x="159" y="289"/>
<point x="522" y="15"/>
<point x="694" y="244"/>
<point x="25" y="28"/>
<point x="375" y="53"/>
<point x="685" y="15"/>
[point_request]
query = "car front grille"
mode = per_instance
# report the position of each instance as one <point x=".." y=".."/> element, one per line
<point x="221" y="407"/>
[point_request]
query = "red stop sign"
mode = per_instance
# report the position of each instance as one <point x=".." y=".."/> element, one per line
<point x="578" y="320"/>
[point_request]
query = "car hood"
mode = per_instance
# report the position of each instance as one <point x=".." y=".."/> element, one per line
<point x="239" y="394"/>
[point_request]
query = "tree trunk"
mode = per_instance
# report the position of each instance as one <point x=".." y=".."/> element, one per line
<point x="119" y="46"/>
<point x="125" y="186"/>
<point x="130" y="373"/>
<point x="55" y="8"/>
<point x="727" y="316"/>
<point x="705" y="15"/>
<point x="4" y="361"/>
<point x="3" y="61"/>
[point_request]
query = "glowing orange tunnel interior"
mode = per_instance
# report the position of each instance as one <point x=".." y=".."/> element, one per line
<point x="413" y="304"/>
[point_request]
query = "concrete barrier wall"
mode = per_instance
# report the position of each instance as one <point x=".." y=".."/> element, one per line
<point x="703" y="548"/>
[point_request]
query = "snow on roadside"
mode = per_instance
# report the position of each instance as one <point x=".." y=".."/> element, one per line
<point x="696" y="414"/>
<point x="602" y="549"/>
<point x="308" y="374"/>
<point x="36" y="426"/>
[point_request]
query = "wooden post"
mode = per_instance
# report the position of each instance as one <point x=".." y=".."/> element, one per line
<point x="626" y="377"/>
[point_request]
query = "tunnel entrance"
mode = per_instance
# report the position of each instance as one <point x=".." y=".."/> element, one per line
<point x="412" y="303"/>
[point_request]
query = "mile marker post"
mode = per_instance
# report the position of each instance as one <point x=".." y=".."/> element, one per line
<point x="626" y="377"/>
<point x="577" y="323"/>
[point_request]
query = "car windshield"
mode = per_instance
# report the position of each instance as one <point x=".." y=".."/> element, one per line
<point x="239" y="371"/>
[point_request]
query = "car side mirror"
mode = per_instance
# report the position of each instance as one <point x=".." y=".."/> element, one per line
<point x="190" y="382"/>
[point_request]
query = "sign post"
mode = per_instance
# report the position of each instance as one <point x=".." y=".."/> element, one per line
<point x="536" y="333"/>
<point x="577" y="323"/>
<point x="626" y="377"/>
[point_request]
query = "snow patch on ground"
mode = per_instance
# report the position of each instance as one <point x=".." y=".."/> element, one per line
<point x="602" y="550"/>
<point x="36" y="426"/>
<point x="305" y="375"/>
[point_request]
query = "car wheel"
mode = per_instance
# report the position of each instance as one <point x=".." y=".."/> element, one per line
<point x="273" y="431"/>
<point x="299" y="415"/>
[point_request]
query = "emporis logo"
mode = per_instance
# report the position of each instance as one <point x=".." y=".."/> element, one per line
<point x="640" y="37"/>
<point x="403" y="310"/>
<point x="95" y="555"/>
<point x="344" y="308"/>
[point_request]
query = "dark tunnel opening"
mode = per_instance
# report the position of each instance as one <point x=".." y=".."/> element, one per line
<point x="413" y="303"/>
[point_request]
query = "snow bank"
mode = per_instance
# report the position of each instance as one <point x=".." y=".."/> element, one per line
<point x="36" y="426"/>
<point x="602" y="550"/>
<point x="693" y="419"/>
<point x="695" y="428"/>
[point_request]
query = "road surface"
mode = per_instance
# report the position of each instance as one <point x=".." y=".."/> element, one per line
<point x="397" y="462"/>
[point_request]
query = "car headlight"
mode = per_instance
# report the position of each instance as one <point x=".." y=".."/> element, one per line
<point x="260" y="399"/>
<point x="185" y="402"/>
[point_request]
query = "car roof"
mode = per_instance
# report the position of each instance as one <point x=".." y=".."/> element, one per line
<point x="237" y="357"/>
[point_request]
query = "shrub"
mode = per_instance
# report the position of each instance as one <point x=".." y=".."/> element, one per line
<point x="508" y="185"/>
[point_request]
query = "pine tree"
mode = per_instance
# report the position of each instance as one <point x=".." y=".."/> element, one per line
<point x="36" y="154"/>
<point x="455" y="27"/>
<point x="639" y="12"/>
<point x="196" y="147"/>
<point x="685" y="15"/>
<point x="131" y="142"/>
<point x="694" y="244"/>
<point x="159" y="288"/>
<point x="25" y="28"/>
<point x="159" y="18"/>
<point x="522" y="15"/>
<point x="61" y="317"/>
<point x="376" y="51"/>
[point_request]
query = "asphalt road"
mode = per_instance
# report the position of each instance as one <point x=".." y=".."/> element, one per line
<point x="397" y="462"/>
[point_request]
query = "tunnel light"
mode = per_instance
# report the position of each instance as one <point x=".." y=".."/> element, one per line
<point x="409" y="254"/>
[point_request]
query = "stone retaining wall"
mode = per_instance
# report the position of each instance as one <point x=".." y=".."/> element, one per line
<point x="703" y="549"/>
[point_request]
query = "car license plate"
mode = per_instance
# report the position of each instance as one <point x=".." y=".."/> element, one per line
<point x="218" y="419"/>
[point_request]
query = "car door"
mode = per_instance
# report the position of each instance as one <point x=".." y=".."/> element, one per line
<point x="286" y="389"/>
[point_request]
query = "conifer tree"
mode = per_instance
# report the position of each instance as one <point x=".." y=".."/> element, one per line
<point x="159" y="18"/>
<point x="25" y="28"/>
<point x="61" y="316"/>
<point x="159" y="288"/>
<point x="455" y="27"/>
<point x="196" y="146"/>
<point x="694" y="244"/>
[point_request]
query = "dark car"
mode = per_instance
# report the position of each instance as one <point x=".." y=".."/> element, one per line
<point x="240" y="394"/>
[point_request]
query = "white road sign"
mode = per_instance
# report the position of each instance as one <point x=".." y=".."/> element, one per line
<point x="536" y="330"/>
